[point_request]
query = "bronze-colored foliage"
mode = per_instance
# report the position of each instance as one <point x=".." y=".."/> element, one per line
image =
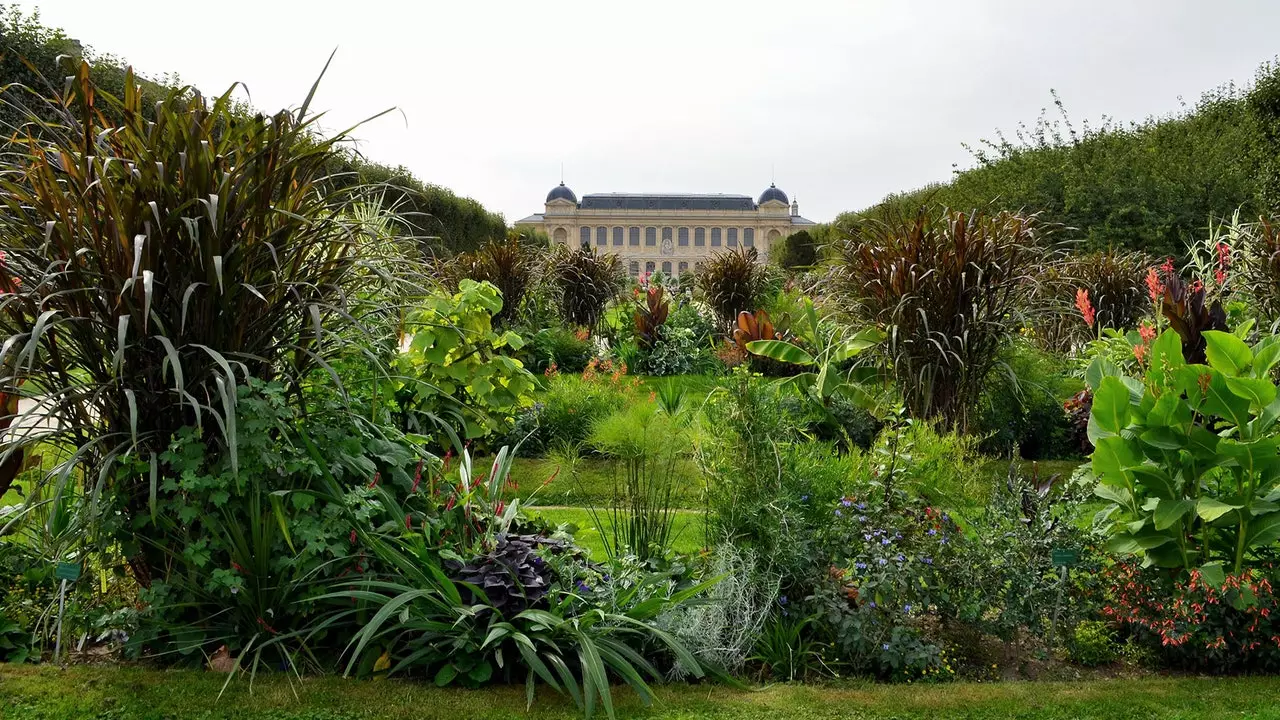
<point x="947" y="288"/>
<point x="650" y="315"/>
<point x="732" y="281"/>
<point x="1259" y="272"/>
<point x="508" y="264"/>
<point x="1183" y="305"/>
<point x="1114" y="281"/>
<point x="157" y="261"/>
<point x="758" y="326"/>
<point x="586" y="283"/>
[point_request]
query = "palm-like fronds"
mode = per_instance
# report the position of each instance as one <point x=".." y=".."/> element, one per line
<point x="586" y="283"/>
<point x="733" y="281"/>
<point x="152" y="265"/>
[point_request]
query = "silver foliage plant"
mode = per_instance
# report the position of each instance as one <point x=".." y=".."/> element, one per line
<point x="722" y="629"/>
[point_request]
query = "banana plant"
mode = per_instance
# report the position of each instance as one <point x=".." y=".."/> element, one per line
<point x="833" y="345"/>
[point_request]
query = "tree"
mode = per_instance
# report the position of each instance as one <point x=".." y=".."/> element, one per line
<point x="798" y="251"/>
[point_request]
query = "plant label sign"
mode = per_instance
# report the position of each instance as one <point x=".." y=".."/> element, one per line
<point x="1063" y="557"/>
<point x="67" y="571"/>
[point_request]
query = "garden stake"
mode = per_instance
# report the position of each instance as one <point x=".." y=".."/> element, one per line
<point x="1057" y="606"/>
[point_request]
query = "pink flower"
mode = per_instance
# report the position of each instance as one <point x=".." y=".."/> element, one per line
<point x="1085" y="307"/>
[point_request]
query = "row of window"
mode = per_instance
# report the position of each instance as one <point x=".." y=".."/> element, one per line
<point x="729" y="236"/>
<point x="651" y="266"/>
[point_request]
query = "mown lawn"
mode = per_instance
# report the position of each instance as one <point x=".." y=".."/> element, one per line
<point x="688" y="529"/>
<point x="121" y="693"/>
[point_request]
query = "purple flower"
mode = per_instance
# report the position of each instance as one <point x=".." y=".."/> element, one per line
<point x="885" y="646"/>
<point x="866" y="536"/>
<point x="882" y="562"/>
<point x="860" y="565"/>
<point x="804" y="498"/>
<point x="846" y="502"/>
<point x="873" y="603"/>
<point x="943" y="540"/>
<point x="582" y="587"/>
<point x="885" y="541"/>
<point x="782" y="599"/>
<point x="901" y="557"/>
<point x="838" y="513"/>
<point x="862" y="518"/>
<point x="928" y="561"/>
<point x="862" y="506"/>
<point x="906" y="608"/>
<point x="932" y="531"/>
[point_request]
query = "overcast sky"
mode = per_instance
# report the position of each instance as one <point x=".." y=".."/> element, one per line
<point x="842" y="102"/>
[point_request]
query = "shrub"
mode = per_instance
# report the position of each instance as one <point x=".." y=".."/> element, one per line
<point x="1226" y="623"/>
<point x="1093" y="643"/>
<point x="1021" y="405"/>
<point x="586" y="282"/>
<point x="206" y="248"/>
<point x="947" y="288"/>
<point x="455" y="362"/>
<point x="798" y="251"/>
<point x="683" y="346"/>
<point x="569" y="406"/>
<point x="733" y="281"/>
<point x="1186" y="455"/>
<point x="566" y="350"/>
<point x="650" y="314"/>
<point x="1115" y="283"/>
<point x="508" y="265"/>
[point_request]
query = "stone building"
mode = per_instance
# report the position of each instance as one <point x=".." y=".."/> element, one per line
<point x="667" y="232"/>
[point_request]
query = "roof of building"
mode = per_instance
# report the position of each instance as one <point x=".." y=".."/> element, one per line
<point x="797" y="220"/>
<point x="773" y="193"/>
<point x="666" y="201"/>
<point x="561" y="192"/>
<point x="530" y="220"/>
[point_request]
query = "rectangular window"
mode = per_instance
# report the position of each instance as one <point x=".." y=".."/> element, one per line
<point x="684" y="237"/>
<point x="651" y="236"/>
<point x="666" y="267"/>
<point x="635" y="268"/>
<point x="684" y="268"/>
<point x="635" y="236"/>
<point x="617" y="237"/>
<point x="732" y="240"/>
<point x="715" y="237"/>
<point x="666" y="235"/>
<point x="700" y="236"/>
<point x="585" y="235"/>
<point x="602" y="236"/>
<point x="748" y="237"/>
<point x="648" y="267"/>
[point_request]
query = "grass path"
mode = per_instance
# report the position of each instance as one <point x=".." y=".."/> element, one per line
<point x="125" y="693"/>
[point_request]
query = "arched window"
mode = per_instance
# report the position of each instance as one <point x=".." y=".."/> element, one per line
<point x="715" y="237"/>
<point x="602" y="236"/>
<point x="635" y="268"/>
<point x="635" y="237"/>
<point x="697" y="267"/>
<point x="748" y="237"/>
<point x="732" y="240"/>
<point x="648" y="267"/>
<point x="651" y="236"/>
<point x="683" y="236"/>
<point x="666" y="235"/>
<point x="684" y="267"/>
<point x="666" y="267"/>
<point x="699" y="236"/>
<point x="617" y="237"/>
<point x="561" y="236"/>
<point x="585" y="234"/>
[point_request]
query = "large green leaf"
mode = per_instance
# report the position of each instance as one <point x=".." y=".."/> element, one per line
<point x="1111" y="405"/>
<point x="1227" y="353"/>
<point x="1163" y="438"/>
<point x="1169" y="512"/>
<point x="781" y="351"/>
<point x="1259" y="391"/>
<point x="1210" y="509"/>
<point x="1112" y="458"/>
<point x="1263" y="531"/>
<point x="1098" y="369"/>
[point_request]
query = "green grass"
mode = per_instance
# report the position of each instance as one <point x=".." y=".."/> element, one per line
<point x="593" y="483"/>
<point x="688" y="529"/>
<point x="115" y="693"/>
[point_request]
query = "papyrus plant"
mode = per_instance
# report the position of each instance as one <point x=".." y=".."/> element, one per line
<point x="155" y="264"/>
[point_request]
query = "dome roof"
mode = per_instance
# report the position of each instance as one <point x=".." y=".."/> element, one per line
<point x="773" y="193"/>
<point x="561" y="192"/>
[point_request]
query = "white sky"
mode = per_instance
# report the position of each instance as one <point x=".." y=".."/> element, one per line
<point x="847" y="100"/>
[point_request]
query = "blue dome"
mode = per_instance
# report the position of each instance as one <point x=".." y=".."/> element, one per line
<point x="773" y="193"/>
<point x="560" y="192"/>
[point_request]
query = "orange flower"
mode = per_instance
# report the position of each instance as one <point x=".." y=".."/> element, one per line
<point x="1155" y="288"/>
<point x="1085" y="307"/>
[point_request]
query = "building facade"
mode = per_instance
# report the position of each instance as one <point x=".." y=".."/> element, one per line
<point x="670" y="233"/>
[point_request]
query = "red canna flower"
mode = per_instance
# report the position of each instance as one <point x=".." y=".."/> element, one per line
<point x="1147" y="332"/>
<point x="408" y="522"/>
<point x="376" y="477"/>
<point x="1155" y="288"/>
<point x="417" y="478"/>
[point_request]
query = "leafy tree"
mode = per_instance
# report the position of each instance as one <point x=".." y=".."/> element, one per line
<point x="798" y="251"/>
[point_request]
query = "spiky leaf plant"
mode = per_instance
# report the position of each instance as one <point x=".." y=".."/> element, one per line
<point x="509" y="265"/>
<point x="154" y="265"/>
<point x="651" y="312"/>
<point x="586" y="283"/>
<point x="733" y="281"/>
<point x="947" y="287"/>
<point x="1114" y="280"/>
